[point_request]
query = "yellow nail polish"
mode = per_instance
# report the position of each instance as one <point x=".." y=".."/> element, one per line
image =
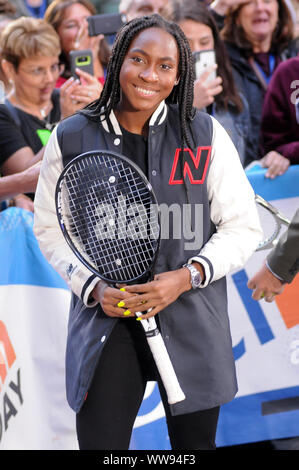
<point x="122" y="289"/>
<point x="121" y="303"/>
<point x="127" y="312"/>
<point x="139" y="318"/>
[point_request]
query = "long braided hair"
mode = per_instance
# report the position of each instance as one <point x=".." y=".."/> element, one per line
<point x="182" y="93"/>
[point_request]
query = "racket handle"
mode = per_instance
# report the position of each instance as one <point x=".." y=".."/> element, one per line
<point x="161" y="357"/>
<point x="165" y="368"/>
<point x="163" y="362"/>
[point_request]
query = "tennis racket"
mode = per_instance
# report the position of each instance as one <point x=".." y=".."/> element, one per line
<point x="272" y="222"/>
<point x="108" y="214"/>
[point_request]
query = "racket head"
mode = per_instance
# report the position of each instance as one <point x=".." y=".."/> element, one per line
<point x="271" y="221"/>
<point x="109" y="216"/>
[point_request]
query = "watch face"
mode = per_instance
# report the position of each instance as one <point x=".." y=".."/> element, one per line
<point x="197" y="280"/>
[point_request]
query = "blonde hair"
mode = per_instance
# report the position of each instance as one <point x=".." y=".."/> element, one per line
<point x="27" y="37"/>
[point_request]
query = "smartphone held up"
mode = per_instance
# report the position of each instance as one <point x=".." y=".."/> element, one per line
<point x="204" y="60"/>
<point x="82" y="60"/>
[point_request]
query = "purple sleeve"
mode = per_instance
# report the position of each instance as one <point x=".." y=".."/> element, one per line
<point x="279" y="128"/>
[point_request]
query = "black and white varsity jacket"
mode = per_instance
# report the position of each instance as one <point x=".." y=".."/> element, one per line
<point x="195" y="328"/>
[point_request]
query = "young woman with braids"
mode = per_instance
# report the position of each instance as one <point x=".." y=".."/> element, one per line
<point x="146" y="112"/>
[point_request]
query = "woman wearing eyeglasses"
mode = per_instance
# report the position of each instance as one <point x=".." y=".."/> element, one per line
<point x="30" y="51"/>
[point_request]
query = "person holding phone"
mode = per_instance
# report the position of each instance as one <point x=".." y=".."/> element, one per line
<point x="258" y="36"/>
<point x="69" y="19"/>
<point x="218" y="95"/>
<point x="146" y="113"/>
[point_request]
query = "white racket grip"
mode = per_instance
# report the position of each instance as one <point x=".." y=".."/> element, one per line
<point x="166" y="370"/>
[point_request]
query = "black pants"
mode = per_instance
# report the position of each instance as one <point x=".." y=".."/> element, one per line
<point x="106" y="420"/>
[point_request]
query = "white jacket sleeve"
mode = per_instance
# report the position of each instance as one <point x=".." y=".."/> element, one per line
<point x="47" y="231"/>
<point x="233" y="211"/>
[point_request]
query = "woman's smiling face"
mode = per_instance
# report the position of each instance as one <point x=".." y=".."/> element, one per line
<point x="258" y="18"/>
<point x="149" y="71"/>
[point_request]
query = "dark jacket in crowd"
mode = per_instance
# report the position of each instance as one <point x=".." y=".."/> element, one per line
<point x="249" y="84"/>
<point x="283" y="260"/>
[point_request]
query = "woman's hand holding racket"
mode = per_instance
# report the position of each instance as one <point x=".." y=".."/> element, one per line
<point x="154" y="296"/>
<point x="150" y="298"/>
<point x="112" y="300"/>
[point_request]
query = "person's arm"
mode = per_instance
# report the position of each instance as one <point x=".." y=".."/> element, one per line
<point x="283" y="260"/>
<point x="23" y="182"/>
<point x="21" y="160"/>
<point x="280" y="266"/>
<point x="15" y="169"/>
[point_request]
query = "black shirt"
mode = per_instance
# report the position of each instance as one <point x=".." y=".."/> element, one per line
<point x="135" y="148"/>
<point x="30" y="132"/>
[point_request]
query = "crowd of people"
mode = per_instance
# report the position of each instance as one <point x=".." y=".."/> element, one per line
<point x="248" y="111"/>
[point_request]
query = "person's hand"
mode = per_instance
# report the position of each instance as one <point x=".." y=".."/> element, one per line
<point x="68" y="105"/>
<point x="75" y="95"/>
<point x="265" y="285"/>
<point x="112" y="300"/>
<point x="156" y="295"/>
<point x="277" y="164"/>
<point x="84" y="41"/>
<point x="205" y="90"/>
<point x="24" y="202"/>
<point x="223" y="6"/>
<point x="87" y="90"/>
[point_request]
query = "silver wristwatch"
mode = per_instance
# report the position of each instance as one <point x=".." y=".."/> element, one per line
<point x="196" y="278"/>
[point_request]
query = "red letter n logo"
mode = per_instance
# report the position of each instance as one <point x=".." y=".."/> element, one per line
<point x="7" y="353"/>
<point x="195" y="167"/>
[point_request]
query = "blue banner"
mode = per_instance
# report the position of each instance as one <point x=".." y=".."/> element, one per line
<point x="20" y="254"/>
